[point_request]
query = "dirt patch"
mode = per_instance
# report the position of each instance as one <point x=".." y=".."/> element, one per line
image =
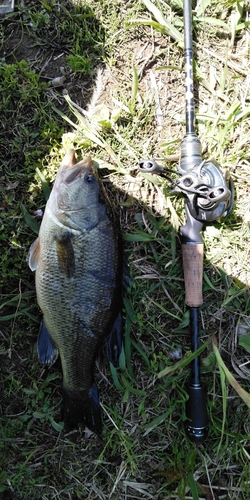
<point x="41" y="39"/>
<point x="143" y="452"/>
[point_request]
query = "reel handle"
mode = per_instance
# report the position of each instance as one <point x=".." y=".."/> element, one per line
<point x="192" y="257"/>
<point x="196" y="425"/>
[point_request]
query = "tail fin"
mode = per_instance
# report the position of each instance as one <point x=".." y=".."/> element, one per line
<point x="83" y="408"/>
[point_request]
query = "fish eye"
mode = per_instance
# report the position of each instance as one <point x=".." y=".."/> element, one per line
<point x="89" y="178"/>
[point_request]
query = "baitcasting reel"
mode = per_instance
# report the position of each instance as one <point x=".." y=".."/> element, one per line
<point x="208" y="193"/>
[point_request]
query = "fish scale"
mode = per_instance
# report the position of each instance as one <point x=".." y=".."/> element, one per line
<point x="78" y="263"/>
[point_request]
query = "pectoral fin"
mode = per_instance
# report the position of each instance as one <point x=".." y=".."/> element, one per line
<point x="65" y="254"/>
<point x="34" y="255"/>
<point x="46" y="348"/>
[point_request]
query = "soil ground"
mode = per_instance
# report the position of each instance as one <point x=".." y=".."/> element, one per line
<point x="129" y="460"/>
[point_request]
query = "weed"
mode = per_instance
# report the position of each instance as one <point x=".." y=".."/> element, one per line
<point x="122" y="65"/>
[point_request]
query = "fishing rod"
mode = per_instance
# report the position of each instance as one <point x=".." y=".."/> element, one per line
<point x="208" y="195"/>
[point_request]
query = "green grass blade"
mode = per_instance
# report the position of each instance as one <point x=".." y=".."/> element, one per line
<point x="214" y="22"/>
<point x="201" y="7"/>
<point x="244" y="341"/>
<point x="115" y="377"/>
<point x="150" y="426"/>
<point x="127" y="347"/>
<point x="45" y="187"/>
<point x="141" y="351"/>
<point x="169" y="28"/>
<point x="183" y="362"/>
<point x="139" y="236"/>
<point x="133" y="390"/>
<point x="134" y="90"/>
<point x="30" y="221"/>
<point x="193" y="486"/>
<point x="245" y="396"/>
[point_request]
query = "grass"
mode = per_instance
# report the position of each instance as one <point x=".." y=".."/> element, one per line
<point x="122" y="100"/>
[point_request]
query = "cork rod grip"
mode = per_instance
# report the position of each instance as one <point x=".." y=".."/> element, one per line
<point x="192" y="256"/>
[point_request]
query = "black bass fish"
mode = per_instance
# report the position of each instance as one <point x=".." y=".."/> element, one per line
<point x="78" y="263"/>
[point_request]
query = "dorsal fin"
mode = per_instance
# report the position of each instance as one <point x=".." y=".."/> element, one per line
<point x="34" y="255"/>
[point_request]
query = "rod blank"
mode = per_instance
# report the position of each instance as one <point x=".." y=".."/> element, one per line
<point x="188" y="58"/>
<point x="196" y="425"/>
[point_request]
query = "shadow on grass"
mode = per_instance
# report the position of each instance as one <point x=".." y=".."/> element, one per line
<point x="143" y="416"/>
<point x="46" y="50"/>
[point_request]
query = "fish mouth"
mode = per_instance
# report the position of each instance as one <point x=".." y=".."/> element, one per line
<point x="71" y="170"/>
<point x="73" y="175"/>
<point x="85" y="169"/>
